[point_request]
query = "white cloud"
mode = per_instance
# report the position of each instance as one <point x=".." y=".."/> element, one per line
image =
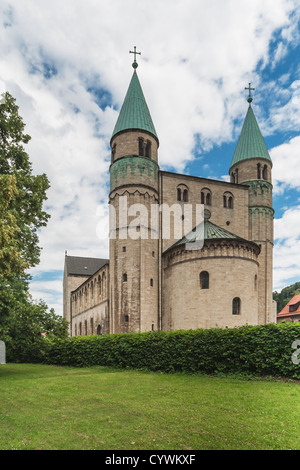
<point x="196" y="58"/>
<point x="285" y="159"/>
<point x="287" y="248"/>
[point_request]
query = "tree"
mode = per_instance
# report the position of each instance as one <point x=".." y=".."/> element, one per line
<point x="11" y="261"/>
<point x="27" y="204"/>
<point x="22" y="196"/>
<point x="29" y="329"/>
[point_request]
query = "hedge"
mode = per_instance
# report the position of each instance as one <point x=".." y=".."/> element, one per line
<point x="250" y="350"/>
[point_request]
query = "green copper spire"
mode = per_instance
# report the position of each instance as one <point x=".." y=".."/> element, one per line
<point x="251" y="143"/>
<point x="135" y="113"/>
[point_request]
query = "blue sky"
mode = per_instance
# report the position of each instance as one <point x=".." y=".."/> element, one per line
<point x="68" y="65"/>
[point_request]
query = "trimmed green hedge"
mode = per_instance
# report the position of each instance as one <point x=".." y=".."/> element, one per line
<point x="255" y="350"/>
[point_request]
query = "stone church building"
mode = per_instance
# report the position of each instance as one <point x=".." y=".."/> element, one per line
<point x="154" y="282"/>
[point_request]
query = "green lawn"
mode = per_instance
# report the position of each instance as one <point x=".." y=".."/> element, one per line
<point x="47" y="407"/>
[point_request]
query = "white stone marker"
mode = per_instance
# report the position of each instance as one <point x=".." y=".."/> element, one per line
<point x="2" y="353"/>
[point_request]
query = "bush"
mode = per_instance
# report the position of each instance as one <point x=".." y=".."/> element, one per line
<point x="255" y="350"/>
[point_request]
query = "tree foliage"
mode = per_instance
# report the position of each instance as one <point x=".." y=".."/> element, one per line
<point x="23" y="323"/>
<point x="11" y="261"/>
<point x="29" y="195"/>
<point x="283" y="297"/>
<point x="29" y="329"/>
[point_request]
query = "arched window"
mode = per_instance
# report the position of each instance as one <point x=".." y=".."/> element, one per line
<point x="236" y="306"/>
<point x="258" y="171"/>
<point x="265" y="172"/>
<point x="206" y="197"/>
<point x="182" y="193"/>
<point x="80" y="329"/>
<point x="99" y="285"/>
<point x="99" y="330"/>
<point x="104" y="285"/>
<point x="228" y="200"/>
<point x="92" y="326"/>
<point x="113" y="151"/>
<point x="148" y="149"/>
<point x="125" y="277"/>
<point x="204" y="280"/>
<point x="234" y="177"/>
<point x="141" y="147"/>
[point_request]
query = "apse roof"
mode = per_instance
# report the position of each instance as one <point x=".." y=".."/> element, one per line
<point x="211" y="232"/>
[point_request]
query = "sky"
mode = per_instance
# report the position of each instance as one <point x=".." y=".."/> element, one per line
<point x="68" y="66"/>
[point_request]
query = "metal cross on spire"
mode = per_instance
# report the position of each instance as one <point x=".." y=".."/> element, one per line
<point x="135" y="64"/>
<point x="250" y="99"/>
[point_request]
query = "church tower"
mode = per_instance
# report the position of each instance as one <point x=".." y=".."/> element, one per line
<point x="133" y="199"/>
<point x="252" y="166"/>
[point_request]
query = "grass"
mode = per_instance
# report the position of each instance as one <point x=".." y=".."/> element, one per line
<point x="54" y="408"/>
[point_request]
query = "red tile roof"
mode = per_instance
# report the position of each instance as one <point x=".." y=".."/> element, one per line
<point x="286" y="309"/>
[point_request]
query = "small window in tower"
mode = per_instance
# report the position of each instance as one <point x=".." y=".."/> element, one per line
<point x="258" y="171"/>
<point x="236" y="176"/>
<point x="126" y="318"/>
<point x="232" y="178"/>
<point x="178" y="194"/>
<point x="124" y="249"/>
<point x="151" y="282"/>
<point x="230" y="202"/>
<point x="141" y="147"/>
<point x="204" y="280"/>
<point x="153" y="254"/>
<point x="125" y="277"/>
<point x="113" y="151"/>
<point x="265" y="172"/>
<point x="236" y="306"/>
<point x="148" y="149"/>
<point x="255" y="282"/>
<point x="208" y="199"/>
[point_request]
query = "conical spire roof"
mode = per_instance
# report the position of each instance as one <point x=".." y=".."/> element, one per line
<point x="135" y="113"/>
<point x="251" y="143"/>
<point x="209" y="231"/>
